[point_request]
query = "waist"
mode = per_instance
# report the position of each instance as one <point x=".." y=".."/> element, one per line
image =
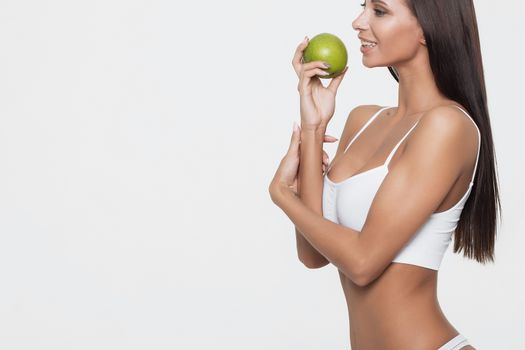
<point x="394" y="308"/>
<point x="400" y="286"/>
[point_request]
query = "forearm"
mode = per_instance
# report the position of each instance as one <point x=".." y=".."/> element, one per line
<point x="339" y="244"/>
<point x="310" y="189"/>
<point x="307" y="254"/>
<point x="310" y="174"/>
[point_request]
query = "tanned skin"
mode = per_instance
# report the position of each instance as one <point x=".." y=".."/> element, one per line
<point x="390" y="305"/>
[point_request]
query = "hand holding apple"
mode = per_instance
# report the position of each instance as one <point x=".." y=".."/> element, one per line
<point x="328" y="48"/>
<point x="317" y="103"/>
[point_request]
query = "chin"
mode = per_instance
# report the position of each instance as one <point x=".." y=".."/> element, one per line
<point x="368" y="65"/>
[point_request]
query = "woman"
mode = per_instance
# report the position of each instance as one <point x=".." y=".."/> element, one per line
<point x="404" y="179"/>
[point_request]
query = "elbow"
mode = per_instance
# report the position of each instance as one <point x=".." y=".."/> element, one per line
<point x="314" y="263"/>
<point x="359" y="275"/>
<point x="361" y="280"/>
<point x="367" y="275"/>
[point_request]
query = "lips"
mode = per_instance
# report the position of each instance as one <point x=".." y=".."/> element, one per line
<point x="366" y="40"/>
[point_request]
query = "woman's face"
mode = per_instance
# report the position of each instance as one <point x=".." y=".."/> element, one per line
<point x="391" y="25"/>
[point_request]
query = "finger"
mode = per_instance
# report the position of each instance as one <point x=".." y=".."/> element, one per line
<point x="296" y="138"/>
<point x="325" y="157"/>
<point x="307" y="76"/>
<point x="312" y="68"/>
<point x="312" y="72"/>
<point x="297" y="58"/>
<point x="306" y="72"/>
<point x="329" y="138"/>
<point x="334" y="84"/>
<point x="315" y="64"/>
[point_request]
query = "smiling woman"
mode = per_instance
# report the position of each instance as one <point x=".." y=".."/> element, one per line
<point x="405" y="179"/>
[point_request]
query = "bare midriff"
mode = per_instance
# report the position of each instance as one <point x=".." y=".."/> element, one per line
<point x="398" y="310"/>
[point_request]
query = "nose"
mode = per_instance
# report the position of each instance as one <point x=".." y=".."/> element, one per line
<point x="359" y="22"/>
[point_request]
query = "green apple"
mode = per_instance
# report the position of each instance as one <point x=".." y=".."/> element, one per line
<point x="328" y="48"/>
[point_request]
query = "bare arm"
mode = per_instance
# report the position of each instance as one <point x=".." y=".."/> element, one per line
<point x="434" y="157"/>
<point x="317" y="105"/>
<point x="310" y="177"/>
<point x="310" y="189"/>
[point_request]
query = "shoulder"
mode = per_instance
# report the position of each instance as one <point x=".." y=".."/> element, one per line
<point x="360" y="114"/>
<point x="356" y="119"/>
<point x="448" y="115"/>
<point x="444" y="130"/>
<point x="447" y="123"/>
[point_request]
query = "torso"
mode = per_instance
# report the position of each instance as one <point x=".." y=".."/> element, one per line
<point x="400" y="306"/>
<point x="400" y="309"/>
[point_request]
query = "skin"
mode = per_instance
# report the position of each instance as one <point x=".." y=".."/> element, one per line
<point x="390" y="305"/>
<point x="402" y="289"/>
<point x="401" y="304"/>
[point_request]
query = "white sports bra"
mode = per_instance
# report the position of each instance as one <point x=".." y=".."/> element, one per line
<point x="347" y="203"/>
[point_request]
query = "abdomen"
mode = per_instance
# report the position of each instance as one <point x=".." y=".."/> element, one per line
<point x="399" y="310"/>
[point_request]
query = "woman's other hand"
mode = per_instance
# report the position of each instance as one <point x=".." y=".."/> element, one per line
<point x="288" y="170"/>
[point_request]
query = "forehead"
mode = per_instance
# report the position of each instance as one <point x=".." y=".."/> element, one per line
<point x="388" y="2"/>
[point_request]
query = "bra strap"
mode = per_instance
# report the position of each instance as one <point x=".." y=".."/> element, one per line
<point x="400" y="141"/>
<point x="479" y="141"/>
<point x="364" y="126"/>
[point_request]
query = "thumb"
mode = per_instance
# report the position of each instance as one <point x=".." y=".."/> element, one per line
<point x="334" y="84"/>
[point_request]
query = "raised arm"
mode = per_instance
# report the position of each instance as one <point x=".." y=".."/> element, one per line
<point x="317" y="105"/>
<point x="310" y="178"/>
<point x="310" y="189"/>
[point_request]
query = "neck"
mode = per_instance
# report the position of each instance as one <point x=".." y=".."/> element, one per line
<point x="418" y="91"/>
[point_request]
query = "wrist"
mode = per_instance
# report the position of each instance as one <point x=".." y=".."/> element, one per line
<point x="314" y="127"/>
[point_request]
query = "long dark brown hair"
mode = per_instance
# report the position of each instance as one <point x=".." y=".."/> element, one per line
<point x="452" y="39"/>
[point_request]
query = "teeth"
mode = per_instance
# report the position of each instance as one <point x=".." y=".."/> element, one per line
<point x="368" y="43"/>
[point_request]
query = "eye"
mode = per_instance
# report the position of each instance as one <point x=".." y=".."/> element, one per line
<point x="378" y="13"/>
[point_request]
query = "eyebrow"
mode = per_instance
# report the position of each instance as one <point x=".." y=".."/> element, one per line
<point x="380" y="1"/>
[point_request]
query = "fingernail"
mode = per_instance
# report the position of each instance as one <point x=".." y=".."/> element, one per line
<point x="295" y="126"/>
<point x="305" y="39"/>
<point x="327" y="65"/>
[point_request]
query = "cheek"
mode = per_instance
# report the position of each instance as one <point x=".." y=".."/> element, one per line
<point x="400" y="39"/>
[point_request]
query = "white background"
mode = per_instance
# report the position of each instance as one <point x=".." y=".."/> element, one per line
<point x="137" y="143"/>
